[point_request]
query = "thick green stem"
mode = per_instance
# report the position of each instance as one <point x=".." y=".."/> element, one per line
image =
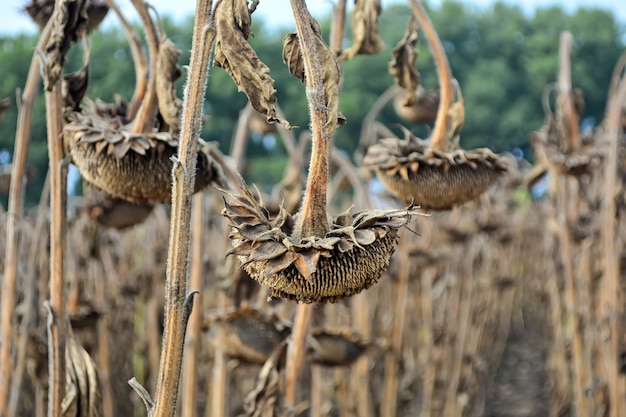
<point x="440" y="131"/>
<point x="312" y="218"/>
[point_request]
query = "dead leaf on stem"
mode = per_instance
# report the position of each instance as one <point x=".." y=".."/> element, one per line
<point x="167" y="73"/>
<point x="402" y="65"/>
<point x="365" y="37"/>
<point x="69" y="24"/>
<point x="234" y="54"/>
<point x="263" y="400"/>
<point x="331" y="75"/>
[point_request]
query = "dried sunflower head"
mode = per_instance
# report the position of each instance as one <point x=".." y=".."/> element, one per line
<point x="350" y="258"/>
<point x="117" y="213"/>
<point x="250" y="335"/>
<point x="422" y="109"/>
<point x="41" y="10"/>
<point x="432" y="179"/>
<point x="549" y="151"/>
<point x="335" y="347"/>
<point x="133" y="167"/>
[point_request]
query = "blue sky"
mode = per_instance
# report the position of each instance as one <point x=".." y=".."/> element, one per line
<point x="278" y="12"/>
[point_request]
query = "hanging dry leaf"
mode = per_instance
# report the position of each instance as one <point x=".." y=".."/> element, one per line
<point x="74" y="85"/>
<point x="234" y="54"/>
<point x="331" y="75"/>
<point x="167" y="73"/>
<point x="457" y="116"/>
<point x="402" y="65"/>
<point x="83" y="397"/>
<point x="365" y="37"/>
<point x="69" y="24"/>
<point x="263" y="400"/>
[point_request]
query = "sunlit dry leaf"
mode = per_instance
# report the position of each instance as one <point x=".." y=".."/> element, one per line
<point x="234" y="54"/>
<point x="69" y="20"/>
<point x="402" y="65"/>
<point x="331" y="75"/>
<point x="167" y="73"/>
<point x="365" y="37"/>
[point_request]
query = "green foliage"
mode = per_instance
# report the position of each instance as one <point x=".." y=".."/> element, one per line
<point x="502" y="58"/>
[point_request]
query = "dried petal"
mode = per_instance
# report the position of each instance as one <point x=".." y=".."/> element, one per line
<point x="234" y="54"/>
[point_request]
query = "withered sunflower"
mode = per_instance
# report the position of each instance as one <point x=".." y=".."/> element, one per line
<point x="349" y="258"/>
<point x="430" y="173"/>
<point x="249" y="334"/>
<point x="132" y="159"/>
<point x="319" y="259"/>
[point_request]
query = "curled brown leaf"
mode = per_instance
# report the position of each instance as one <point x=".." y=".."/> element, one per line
<point x="234" y="54"/>
<point x="331" y="75"/>
<point x="167" y="73"/>
<point x="402" y="65"/>
<point x="365" y="37"/>
<point x="68" y="25"/>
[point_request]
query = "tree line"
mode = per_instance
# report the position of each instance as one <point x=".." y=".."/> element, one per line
<point x="501" y="57"/>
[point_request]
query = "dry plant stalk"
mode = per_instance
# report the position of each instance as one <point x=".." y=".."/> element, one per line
<point x="610" y="307"/>
<point x="190" y="360"/>
<point x="179" y="304"/>
<point x="336" y="30"/>
<point x="68" y="23"/>
<point x="26" y="103"/>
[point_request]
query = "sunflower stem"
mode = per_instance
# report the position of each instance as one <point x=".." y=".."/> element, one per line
<point x="178" y="303"/>
<point x="26" y="104"/>
<point x="144" y="119"/>
<point x="138" y="53"/>
<point x="295" y="354"/>
<point x="312" y="219"/>
<point x="440" y="131"/>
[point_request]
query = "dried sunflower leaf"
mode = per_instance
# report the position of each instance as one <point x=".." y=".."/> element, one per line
<point x="268" y="250"/>
<point x="331" y="75"/>
<point x="69" y="23"/>
<point x="234" y="54"/>
<point x="264" y="399"/>
<point x="402" y="65"/>
<point x="74" y="85"/>
<point x="167" y="73"/>
<point x="365" y="37"/>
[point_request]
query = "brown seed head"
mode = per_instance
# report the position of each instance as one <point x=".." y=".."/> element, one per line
<point x="350" y="258"/>
<point x="251" y="335"/>
<point x="335" y="347"/>
<point x="434" y="180"/>
<point x="133" y="167"/>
